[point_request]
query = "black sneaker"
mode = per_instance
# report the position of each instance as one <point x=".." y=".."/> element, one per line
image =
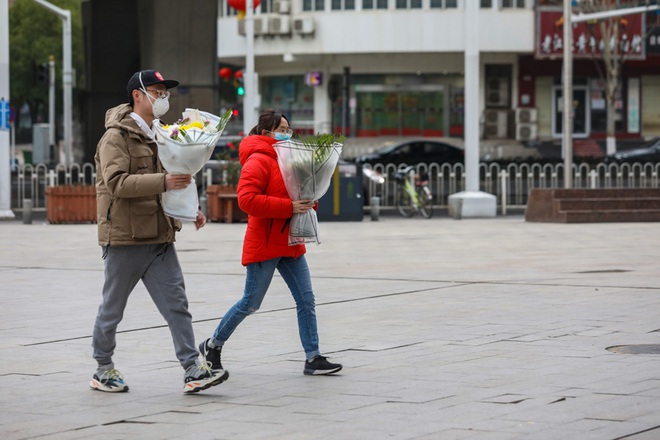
<point x="212" y="355"/>
<point x="320" y="365"/>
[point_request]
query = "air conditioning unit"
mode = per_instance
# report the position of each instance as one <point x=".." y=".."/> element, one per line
<point x="280" y="25"/>
<point x="497" y="92"/>
<point x="303" y="26"/>
<point x="526" y="132"/>
<point x="261" y="25"/>
<point x="282" y="6"/>
<point x="526" y="115"/>
<point x="496" y="123"/>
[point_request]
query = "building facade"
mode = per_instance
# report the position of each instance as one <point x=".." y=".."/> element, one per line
<point x="396" y="68"/>
<point x="378" y="67"/>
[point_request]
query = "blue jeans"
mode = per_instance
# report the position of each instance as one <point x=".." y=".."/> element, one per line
<point x="295" y="273"/>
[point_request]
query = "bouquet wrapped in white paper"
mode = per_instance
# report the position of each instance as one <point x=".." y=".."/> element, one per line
<point x="184" y="148"/>
<point x="307" y="166"/>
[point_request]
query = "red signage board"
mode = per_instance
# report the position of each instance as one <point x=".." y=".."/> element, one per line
<point x="587" y="39"/>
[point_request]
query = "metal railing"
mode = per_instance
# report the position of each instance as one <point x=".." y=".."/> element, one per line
<point x="30" y="181"/>
<point x="510" y="183"/>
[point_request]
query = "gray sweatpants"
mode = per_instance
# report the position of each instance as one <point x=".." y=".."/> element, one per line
<point x="159" y="269"/>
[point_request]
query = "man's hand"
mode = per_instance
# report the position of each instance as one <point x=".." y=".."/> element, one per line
<point x="200" y="221"/>
<point x="177" y="181"/>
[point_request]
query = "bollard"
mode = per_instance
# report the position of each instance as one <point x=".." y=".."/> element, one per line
<point x="27" y="211"/>
<point x="375" y="208"/>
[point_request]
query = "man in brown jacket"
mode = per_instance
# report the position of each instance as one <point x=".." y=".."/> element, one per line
<point x="136" y="236"/>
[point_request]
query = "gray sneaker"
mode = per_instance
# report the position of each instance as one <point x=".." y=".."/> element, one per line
<point x="200" y="377"/>
<point x="110" y="381"/>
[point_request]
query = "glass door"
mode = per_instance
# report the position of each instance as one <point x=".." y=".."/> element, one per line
<point x="580" y="111"/>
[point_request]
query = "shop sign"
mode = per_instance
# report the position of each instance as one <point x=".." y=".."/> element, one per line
<point x="587" y="39"/>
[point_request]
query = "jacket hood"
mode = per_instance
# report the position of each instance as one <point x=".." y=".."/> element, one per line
<point x="119" y="117"/>
<point x="256" y="144"/>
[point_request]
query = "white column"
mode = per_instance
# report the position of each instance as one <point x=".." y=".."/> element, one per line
<point x="472" y="202"/>
<point x="5" y="176"/>
<point x="471" y="94"/>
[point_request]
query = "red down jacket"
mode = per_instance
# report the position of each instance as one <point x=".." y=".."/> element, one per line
<point x="263" y="196"/>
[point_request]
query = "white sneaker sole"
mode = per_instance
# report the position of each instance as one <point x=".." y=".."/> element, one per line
<point x="98" y="386"/>
<point x="196" y="386"/>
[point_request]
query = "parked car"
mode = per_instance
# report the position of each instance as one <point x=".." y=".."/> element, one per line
<point x="650" y="153"/>
<point x="412" y="152"/>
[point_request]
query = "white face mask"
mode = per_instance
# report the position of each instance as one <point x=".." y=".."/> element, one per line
<point x="159" y="106"/>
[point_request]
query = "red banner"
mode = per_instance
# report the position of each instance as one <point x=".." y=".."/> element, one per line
<point x="587" y="39"/>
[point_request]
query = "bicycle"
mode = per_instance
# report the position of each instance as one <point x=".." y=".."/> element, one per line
<point x="410" y="198"/>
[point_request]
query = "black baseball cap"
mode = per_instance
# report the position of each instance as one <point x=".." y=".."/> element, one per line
<point x="145" y="78"/>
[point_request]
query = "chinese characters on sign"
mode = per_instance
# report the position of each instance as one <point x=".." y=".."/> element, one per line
<point x="587" y="39"/>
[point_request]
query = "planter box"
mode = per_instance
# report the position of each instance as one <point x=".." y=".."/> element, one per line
<point x="222" y="204"/>
<point x="71" y="204"/>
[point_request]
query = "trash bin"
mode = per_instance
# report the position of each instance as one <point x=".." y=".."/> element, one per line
<point x="343" y="201"/>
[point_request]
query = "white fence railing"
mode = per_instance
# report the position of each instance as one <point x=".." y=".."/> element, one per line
<point x="511" y="183"/>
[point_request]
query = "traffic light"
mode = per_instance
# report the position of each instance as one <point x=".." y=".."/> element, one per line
<point x="42" y="73"/>
<point x="238" y="83"/>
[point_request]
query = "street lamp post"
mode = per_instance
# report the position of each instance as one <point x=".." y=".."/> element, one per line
<point x="67" y="76"/>
<point x="567" y="122"/>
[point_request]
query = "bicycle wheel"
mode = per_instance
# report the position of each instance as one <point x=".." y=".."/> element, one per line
<point x="425" y="202"/>
<point x="404" y="203"/>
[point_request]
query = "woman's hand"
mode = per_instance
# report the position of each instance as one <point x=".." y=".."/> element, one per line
<point x="302" y="206"/>
<point x="200" y="221"/>
<point x="177" y="181"/>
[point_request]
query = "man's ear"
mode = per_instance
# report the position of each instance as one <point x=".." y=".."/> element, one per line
<point x="136" y="94"/>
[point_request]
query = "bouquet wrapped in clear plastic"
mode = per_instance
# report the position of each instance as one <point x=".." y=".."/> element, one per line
<point x="184" y="148"/>
<point x="307" y="166"/>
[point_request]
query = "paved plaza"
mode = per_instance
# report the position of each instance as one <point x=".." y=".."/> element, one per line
<point x="448" y="329"/>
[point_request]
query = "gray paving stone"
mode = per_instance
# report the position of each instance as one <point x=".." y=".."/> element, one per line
<point x="479" y="328"/>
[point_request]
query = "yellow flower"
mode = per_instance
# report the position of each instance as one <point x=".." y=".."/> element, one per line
<point x="197" y="124"/>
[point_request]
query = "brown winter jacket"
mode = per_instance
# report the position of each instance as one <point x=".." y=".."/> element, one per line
<point x="129" y="183"/>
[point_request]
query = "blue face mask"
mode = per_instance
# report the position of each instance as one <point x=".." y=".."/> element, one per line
<point x="282" y="136"/>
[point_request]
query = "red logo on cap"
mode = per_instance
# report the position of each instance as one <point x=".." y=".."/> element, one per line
<point x="159" y="76"/>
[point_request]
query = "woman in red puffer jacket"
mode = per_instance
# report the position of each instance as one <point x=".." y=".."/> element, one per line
<point x="263" y="196"/>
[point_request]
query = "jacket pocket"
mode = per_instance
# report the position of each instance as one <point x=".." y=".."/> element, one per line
<point x="142" y="159"/>
<point x="144" y="218"/>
